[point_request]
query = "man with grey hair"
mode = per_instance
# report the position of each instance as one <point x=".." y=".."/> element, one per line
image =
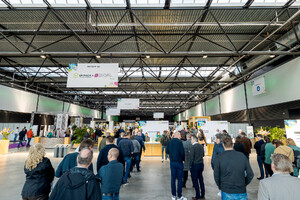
<point x="281" y="185"/>
<point x="78" y="183"/>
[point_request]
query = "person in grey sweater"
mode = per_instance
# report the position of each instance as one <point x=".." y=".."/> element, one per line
<point x="186" y="166"/>
<point x="136" y="154"/>
<point x="197" y="167"/>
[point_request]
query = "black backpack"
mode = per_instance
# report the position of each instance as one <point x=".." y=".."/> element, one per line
<point x="164" y="140"/>
<point x="297" y="159"/>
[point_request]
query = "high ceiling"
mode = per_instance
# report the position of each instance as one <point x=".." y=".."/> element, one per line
<point x="173" y="54"/>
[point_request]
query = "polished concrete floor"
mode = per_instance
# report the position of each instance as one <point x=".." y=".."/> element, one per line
<point x="152" y="183"/>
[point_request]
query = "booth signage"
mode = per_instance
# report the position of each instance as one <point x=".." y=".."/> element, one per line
<point x="258" y="86"/>
<point x="128" y="104"/>
<point x="158" y="115"/>
<point x="113" y="111"/>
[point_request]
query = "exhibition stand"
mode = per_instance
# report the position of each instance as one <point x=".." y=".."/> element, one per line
<point x="210" y="148"/>
<point x="152" y="149"/>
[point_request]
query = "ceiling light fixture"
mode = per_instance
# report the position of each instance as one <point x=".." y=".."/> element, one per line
<point x="98" y="56"/>
<point x="205" y="56"/>
<point x="43" y="56"/>
<point x="148" y="56"/>
<point x="272" y="56"/>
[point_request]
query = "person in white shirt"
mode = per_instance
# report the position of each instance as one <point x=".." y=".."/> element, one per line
<point x="16" y="134"/>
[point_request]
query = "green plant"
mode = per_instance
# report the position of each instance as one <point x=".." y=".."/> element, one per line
<point x="277" y="133"/>
<point x="74" y="127"/>
<point x="79" y="134"/>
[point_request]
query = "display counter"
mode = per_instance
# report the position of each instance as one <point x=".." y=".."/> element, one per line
<point x="4" y="146"/>
<point x="210" y="148"/>
<point x="50" y="142"/>
<point x="152" y="149"/>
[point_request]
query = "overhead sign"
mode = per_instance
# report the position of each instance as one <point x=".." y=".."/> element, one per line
<point x="113" y="111"/>
<point x="84" y="75"/>
<point x="158" y="115"/>
<point x="258" y="86"/>
<point x="128" y="104"/>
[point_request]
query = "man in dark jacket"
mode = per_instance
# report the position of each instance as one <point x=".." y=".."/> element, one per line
<point x="70" y="160"/>
<point x="78" y="183"/>
<point x="197" y="167"/>
<point x="257" y="147"/>
<point x="176" y="151"/>
<point x="21" y="137"/>
<point x="229" y="172"/>
<point x="187" y="145"/>
<point x="102" y="158"/>
<point x="247" y="143"/>
<point x="165" y="138"/>
<point x="126" y="147"/>
<point x="218" y="149"/>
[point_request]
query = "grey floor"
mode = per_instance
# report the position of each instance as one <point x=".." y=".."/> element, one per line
<point x="152" y="183"/>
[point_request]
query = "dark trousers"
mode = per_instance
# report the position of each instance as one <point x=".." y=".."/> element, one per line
<point x="197" y="178"/>
<point x="135" y="161"/>
<point x="28" y="143"/>
<point x="176" y="173"/>
<point x="261" y="167"/>
<point x="40" y="197"/>
<point x="127" y="168"/>
<point x="20" y="143"/>
<point x="269" y="169"/>
<point x="185" y="177"/>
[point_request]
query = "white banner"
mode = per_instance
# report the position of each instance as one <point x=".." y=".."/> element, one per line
<point x="250" y="132"/>
<point x="209" y="128"/>
<point x="93" y="75"/>
<point x="128" y="104"/>
<point x="113" y="111"/>
<point x="158" y="115"/>
<point x="258" y="86"/>
<point x="292" y="129"/>
<point x="152" y="127"/>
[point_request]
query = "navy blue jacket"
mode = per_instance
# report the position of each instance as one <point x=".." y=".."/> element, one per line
<point x="143" y="136"/>
<point x="126" y="146"/>
<point x="22" y="135"/>
<point x="257" y="146"/>
<point x="102" y="158"/>
<point x="69" y="162"/>
<point x="175" y="150"/>
<point x="141" y="141"/>
<point x="218" y="149"/>
<point x="111" y="176"/>
<point x="119" y="140"/>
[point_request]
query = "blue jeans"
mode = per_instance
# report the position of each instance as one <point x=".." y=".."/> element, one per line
<point x="197" y="177"/>
<point x="261" y="167"/>
<point x="114" y="197"/>
<point x="28" y="144"/>
<point x="20" y="143"/>
<point x="163" y="149"/>
<point x="127" y="168"/>
<point x="15" y="139"/>
<point x="176" y="173"/>
<point x="137" y="157"/>
<point x="227" y="196"/>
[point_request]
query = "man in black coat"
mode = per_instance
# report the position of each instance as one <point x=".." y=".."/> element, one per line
<point x="21" y="137"/>
<point x="78" y="183"/>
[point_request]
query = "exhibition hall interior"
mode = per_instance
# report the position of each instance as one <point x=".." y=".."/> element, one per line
<point x="149" y="99"/>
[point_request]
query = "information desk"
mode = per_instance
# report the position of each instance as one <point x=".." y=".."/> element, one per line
<point x="210" y="148"/>
<point x="152" y="149"/>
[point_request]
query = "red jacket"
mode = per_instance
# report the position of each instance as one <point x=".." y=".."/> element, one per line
<point x="29" y="134"/>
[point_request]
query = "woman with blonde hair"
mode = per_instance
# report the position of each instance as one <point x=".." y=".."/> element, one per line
<point x="39" y="174"/>
<point x="291" y="143"/>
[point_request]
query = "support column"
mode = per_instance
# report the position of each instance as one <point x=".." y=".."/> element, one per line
<point x="247" y="108"/>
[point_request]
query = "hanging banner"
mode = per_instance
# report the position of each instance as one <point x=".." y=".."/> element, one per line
<point x="113" y="111"/>
<point x="158" y="115"/>
<point x="128" y="104"/>
<point x="258" y="86"/>
<point x="85" y="75"/>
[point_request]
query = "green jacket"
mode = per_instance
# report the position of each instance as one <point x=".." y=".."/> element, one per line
<point x="269" y="150"/>
<point x="296" y="170"/>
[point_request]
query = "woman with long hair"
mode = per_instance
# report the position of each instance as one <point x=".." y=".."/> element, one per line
<point x="39" y="174"/>
<point x="201" y="137"/>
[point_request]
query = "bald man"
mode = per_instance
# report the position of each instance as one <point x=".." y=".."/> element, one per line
<point x="176" y="152"/>
<point x="111" y="176"/>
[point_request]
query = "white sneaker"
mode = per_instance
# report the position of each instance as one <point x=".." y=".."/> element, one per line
<point x="219" y="194"/>
<point x="173" y="198"/>
<point x="182" y="198"/>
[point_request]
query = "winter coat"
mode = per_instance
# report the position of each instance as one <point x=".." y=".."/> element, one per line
<point x="38" y="180"/>
<point x="187" y="145"/>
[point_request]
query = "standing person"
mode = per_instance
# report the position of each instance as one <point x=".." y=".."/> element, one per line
<point x="285" y="150"/>
<point x="29" y="136"/>
<point x="78" y="183"/>
<point x="187" y="145"/>
<point x="70" y="160"/>
<point x="120" y="138"/>
<point x="157" y="137"/>
<point x="68" y="132"/>
<point x="269" y="150"/>
<point x="176" y="151"/>
<point x="103" y="141"/>
<point x="218" y="149"/>
<point x="263" y="153"/>
<point x="87" y="134"/>
<point x="197" y="167"/>
<point x="102" y="157"/>
<point x="111" y="176"/>
<point x="201" y="137"/>
<point x="165" y="138"/>
<point x="16" y="134"/>
<point x="140" y="139"/>
<point x="291" y="143"/>
<point x="257" y="147"/>
<point x="232" y="172"/>
<point x="281" y="185"/>
<point x="21" y="137"/>
<point x="136" y="154"/>
<point x="238" y="146"/>
<point x="39" y="174"/>
<point x="143" y="135"/>
<point x="247" y="143"/>
<point x="127" y="148"/>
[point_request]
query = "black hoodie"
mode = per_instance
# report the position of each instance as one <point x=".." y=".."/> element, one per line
<point x="77" y="184"/>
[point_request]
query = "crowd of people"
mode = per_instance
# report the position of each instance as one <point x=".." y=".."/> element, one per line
<point x="120" y="153"/>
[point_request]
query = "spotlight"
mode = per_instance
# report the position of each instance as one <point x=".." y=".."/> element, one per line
<point x="148" y="56"/>
<point x="98" y="56"/>
<point x="43" y="56"/>
<point x="272" y="56"/>
<point x="205" y="56"/>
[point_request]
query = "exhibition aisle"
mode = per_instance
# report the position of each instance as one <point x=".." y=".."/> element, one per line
<point x="153" y="182"/>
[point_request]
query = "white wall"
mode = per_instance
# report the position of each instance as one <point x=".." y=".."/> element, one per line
<point x="233" y="100"/>
<point x="212" y="106"/>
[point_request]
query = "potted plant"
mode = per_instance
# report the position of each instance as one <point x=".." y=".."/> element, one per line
<point x="4" y="143"/>
<point x="79" y="134"/>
